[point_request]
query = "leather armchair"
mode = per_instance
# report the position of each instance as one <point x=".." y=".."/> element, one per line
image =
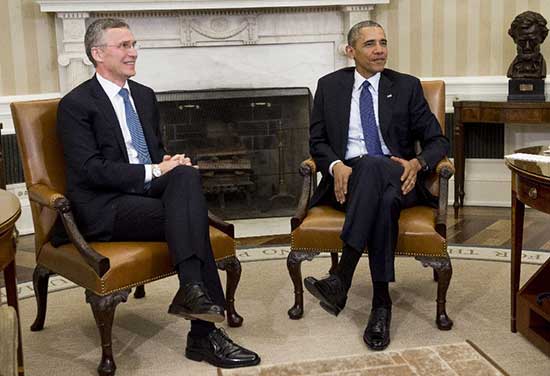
<point x="107" y="270"/>
<point x="422" y="229"/>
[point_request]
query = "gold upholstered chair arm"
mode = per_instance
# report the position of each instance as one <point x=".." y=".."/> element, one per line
<point x="45" y="196"/>
<point x="443" y="172"/>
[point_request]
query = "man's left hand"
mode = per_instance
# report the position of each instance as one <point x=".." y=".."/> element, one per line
<point x="410" y="171"/>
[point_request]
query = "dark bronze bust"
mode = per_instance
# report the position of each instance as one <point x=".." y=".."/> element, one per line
<point x="528" y="31"/>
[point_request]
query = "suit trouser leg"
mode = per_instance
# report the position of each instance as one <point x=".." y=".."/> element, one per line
<point x="174" y="211"/>
<point x="372" y="213"/>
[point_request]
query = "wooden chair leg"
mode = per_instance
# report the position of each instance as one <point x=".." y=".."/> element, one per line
<point x="232" y="266"/>
<point x="103" y="308"/>
<point x="334" y="262"/>
<point x="10" y="279"/>
<point x="40" y="279"/>
<point x="294" y="265"/>
<point x="140" y="292"/>
<point x="444" y="270"/>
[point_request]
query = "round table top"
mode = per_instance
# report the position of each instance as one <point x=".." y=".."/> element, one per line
<point x="10" y="209"/>
<point x="533" y="160"/>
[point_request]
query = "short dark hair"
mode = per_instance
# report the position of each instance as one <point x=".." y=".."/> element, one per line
<point x="353" y="33"/>
<point x="95" y="31"/>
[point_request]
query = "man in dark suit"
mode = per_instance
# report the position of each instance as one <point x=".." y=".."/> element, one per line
<point x="123" y="185"/>
<point x="364" y="124"/>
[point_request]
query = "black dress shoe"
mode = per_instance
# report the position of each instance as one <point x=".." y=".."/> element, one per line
<point x="377" y="333"/>
<point x="220" y="351"/>
<point x="192" y="302"/>
<point x="330" y="291"/>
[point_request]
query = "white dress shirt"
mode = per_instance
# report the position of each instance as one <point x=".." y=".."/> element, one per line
<point x="356" y="144"/>
<point x="112" y="90"/>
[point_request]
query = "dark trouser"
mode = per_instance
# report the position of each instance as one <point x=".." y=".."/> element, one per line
<point x="373" y="205"/>
<point x="174" y="210"/>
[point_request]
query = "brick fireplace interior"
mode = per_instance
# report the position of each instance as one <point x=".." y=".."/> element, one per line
<point x="247" y="143"/>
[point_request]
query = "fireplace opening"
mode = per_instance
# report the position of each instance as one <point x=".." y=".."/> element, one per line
<point x="248" y="144"/>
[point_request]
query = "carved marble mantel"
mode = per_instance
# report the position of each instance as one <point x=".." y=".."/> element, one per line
<point x="224" y="43"/>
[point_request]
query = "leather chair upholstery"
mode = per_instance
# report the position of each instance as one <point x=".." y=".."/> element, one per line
<point x="422" y="229"/>
<point x="107" y="270"/>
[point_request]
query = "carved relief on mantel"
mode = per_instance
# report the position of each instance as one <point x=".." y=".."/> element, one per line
<point x="180" y="26"/>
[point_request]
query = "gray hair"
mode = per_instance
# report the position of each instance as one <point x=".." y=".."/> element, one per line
<point x="353" y="33"/>
<point x="95" y="31"/>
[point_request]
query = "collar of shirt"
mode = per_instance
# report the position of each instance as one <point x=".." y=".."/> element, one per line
<point x="373" y="80"/>
<point x="110" y="88"/>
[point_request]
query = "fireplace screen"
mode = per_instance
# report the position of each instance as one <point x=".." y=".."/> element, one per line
<point x="248" y="145"/>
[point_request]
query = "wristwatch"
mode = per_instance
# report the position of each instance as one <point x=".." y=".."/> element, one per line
<point x="424" y="166"/>
<point x="156" y="171"/>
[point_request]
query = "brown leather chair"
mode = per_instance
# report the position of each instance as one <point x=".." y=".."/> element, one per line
<point x="107" y="270"/>
<point x="422" y="229"/>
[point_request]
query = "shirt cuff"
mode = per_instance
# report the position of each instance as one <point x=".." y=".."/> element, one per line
<point x="332" y="166"/>
<point x="148" y="173"/>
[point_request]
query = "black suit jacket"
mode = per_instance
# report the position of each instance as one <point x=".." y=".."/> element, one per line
<point x="403" y="113"/>
<point x="98" y="169"/>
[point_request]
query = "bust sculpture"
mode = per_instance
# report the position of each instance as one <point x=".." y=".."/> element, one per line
<point x="528" y="31"/>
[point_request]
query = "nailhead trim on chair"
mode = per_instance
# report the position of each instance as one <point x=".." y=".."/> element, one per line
<point x="398" y="253"/>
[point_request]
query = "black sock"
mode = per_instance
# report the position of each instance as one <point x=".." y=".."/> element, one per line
<point x="381" y="295"/>
<point x="189" y="270"/>
<point x="201" y="328"/>
<point x="347" y="264"/>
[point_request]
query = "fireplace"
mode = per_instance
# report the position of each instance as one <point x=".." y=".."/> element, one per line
<point x="248" y="144"/>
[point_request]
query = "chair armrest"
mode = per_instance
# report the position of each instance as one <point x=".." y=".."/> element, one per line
<point x="220" y="224"/>
<point x="46" y="196"/>
<point x="308" y="170"/>
<point x="444" y="171"/>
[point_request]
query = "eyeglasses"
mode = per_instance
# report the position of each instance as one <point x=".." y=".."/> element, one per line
<point x="126" y="46"/>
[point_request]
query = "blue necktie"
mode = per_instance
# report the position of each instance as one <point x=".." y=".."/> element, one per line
<point x="368" y="121"/>
<point x="134" y="126"/>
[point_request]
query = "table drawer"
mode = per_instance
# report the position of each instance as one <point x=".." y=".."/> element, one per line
<point x="534" y="194"/>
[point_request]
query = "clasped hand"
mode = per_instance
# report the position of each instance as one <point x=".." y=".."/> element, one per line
<point x="171" y="161"/>
<point x="341" y="174"/>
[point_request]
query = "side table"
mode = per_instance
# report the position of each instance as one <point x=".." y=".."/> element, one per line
<point x="530" y="186"/>
<point x="489" y="113"/>
<point x="10" y="210"/>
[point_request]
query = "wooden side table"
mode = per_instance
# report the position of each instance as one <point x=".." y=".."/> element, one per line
<point x="10" y="210"/>
<point x="489" y="113"/>
<point x="530" y="186"/>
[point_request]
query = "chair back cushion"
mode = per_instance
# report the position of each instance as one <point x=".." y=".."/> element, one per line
<point x="41" y="156"/>
<point x="434" y="92"/>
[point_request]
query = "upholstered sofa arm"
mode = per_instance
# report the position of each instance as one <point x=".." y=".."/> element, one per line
<point x="307" y="169"/>
<point x="45" y="196"/>
<point x="220" y="224"/>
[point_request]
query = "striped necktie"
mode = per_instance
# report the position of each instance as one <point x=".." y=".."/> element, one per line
<point x="368" y="121"/>
<point x="134" y="126"/>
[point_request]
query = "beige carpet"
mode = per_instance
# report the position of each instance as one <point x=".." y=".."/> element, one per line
<point x="147" y="341"/>
<point x="454" y="359"/>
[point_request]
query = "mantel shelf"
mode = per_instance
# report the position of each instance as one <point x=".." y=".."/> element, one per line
<point x="152" y="5"/>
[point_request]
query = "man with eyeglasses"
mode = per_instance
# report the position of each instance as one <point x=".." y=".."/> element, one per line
<point x="124" y="187"/>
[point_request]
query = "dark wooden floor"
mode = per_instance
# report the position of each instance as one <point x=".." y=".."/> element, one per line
<point x="482" y="226"/>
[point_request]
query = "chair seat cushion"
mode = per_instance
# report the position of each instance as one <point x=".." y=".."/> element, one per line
<point x="132" y="263"/>
<point x="320" y="231"/>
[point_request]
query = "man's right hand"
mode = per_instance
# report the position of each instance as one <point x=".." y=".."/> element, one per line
<point x="171" y="161"/>
<point x="341" y="174"/>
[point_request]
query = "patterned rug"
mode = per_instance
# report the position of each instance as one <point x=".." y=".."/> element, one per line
<point x="454" y="359"/>
<point x="58" y="283"/>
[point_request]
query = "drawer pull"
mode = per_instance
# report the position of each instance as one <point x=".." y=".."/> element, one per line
<point x="533" y="193"/>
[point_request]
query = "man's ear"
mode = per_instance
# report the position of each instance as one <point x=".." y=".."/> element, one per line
<point x="97" y="54"/>
<point x="350" y="52"/>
